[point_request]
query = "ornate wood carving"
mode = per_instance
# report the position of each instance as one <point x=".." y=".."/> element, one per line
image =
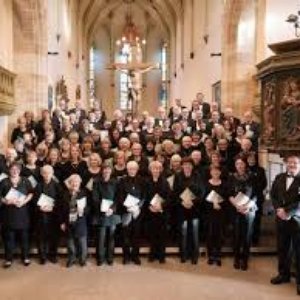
<point x="7" y="92"/>
<point x="280" y="98"/>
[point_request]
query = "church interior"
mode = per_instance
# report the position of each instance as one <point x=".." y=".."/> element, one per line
<point x="171" y="80"/>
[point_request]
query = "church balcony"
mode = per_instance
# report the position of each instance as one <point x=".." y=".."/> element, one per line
<point x="7" y="92"/>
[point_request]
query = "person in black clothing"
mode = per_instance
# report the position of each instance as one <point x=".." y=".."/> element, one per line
<point x="260" y="178"/>
<point x="286" y="200"/>
<point x="142" y="161"/>
<point x="19" y="131"/>
<point x="9" y="158"/>
<point x="188" y="192"/>
<point x="106" y="220"/>
<point x="186" y="146"/>
<point x="16" y="193"/>
<point x="75" y="165"/>
<point x="53" y="160"/>
<point x="47" y="226"/>
<point x="72" y="219"/>
<point x="119" y="169"/>
<point x="242" y="183"/>
<point x="132" y="185"/>
<point x="157" y="198"/>
<point x="30" y="170"/>
<point x="216" y="196"/>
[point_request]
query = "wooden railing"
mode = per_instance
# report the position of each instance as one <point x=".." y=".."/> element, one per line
<point x="7" y="92"/>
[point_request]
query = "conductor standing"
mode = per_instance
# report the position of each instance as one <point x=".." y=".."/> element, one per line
<point x="285" y="195"/>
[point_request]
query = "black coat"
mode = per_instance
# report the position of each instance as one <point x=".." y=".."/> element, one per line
<point x="134" y="186"/>
<point x="162" y="188"/>
<point x="79" y="227"/>
<point x="69" y="169"/>
<point x="12" y="216"/>
<point x="222" y="190"/>
<point x="195" y="184"/>
<point x="245" y="185"/>
<point x="287" y="199"/>
<point x="53" y="190"/>
<point x="104" y="190"/>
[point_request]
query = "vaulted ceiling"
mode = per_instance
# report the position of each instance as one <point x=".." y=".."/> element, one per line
<point x="164" y="13"/>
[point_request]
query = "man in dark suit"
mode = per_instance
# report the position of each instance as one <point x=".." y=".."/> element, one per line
<point x="204" y="106"/>
<point x="285" y="195"/>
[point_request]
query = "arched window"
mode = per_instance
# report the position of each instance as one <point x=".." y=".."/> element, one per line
<point x="164" y="74"/>
<point x="124" y="79"/>
<point x="92" y="85"/>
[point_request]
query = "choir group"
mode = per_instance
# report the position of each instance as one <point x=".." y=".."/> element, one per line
<point x="186" y="174"/>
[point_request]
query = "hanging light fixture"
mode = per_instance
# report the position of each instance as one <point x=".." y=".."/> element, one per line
<point x="130" y="33"/>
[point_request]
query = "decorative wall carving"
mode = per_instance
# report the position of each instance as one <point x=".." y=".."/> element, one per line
<point x="280" y="93"/>
<point x="7" y="92"/>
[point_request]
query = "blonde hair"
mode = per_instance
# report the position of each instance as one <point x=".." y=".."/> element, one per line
<point x="155" y="163"/>
<point x="95" y="155"/>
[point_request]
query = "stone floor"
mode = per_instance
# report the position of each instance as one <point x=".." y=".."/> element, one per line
<point x="173" y="281"/>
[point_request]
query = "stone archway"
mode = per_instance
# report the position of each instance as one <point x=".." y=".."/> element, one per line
<point x="239" y="55"/>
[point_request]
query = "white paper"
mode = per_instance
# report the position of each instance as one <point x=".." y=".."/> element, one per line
<point x="106" y="205"/>
<point x="73" y="217"/>
<point x="170" y="180"/>
<point x="45" y="200"/>
<point x="3" y="176"/>
<point x="187" y="196"/>
<point x="135" y="211"/>
<point x="33" y="181"/>
<point x="89" y="185"/>
<point x="131" y="201"/>
<point x="214" y="197"/>
<point x="157" y="200"/>
<point x="14" y="194"/>
<point x="241" y="199"/>
<point x="81" y="204"/>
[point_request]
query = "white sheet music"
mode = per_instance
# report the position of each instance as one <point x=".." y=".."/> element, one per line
<point x="214" y="197"/>
<point x="14" y="194"/>
<point x="131" y="201"/>
<point x="89" y="185"/>
<point x="81" y="204"/>
<point x="187" y="196"/>
<point x="33" y="181"/>
<point x="170" y="180"/>
<point x="3" y="176"/>
<point x="106" y="205"/>
<point x="241" y="199"/>
<point x="45" y="200"/>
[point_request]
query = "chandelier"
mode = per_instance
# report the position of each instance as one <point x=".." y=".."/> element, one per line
<point x="130" y="35"/>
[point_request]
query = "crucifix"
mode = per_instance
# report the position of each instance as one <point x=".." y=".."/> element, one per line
<point x="134" y="70"/>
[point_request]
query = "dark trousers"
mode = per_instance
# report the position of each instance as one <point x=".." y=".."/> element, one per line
<point x="48" y="239"/>
<point x="243" y="229"/>
<point x="157" y="235"/>
<point x="189" y="245"/>
<point x="10" y="236"/>
<point x="131" y="235"/>
<point x="77" y="247"/>
<point x="105" y="243"/>
<point x="214" y="233"/>
<point x="288" y="242"/>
